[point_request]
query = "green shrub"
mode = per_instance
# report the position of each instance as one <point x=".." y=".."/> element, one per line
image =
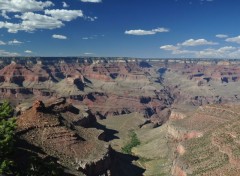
<point x="133" y="143"/>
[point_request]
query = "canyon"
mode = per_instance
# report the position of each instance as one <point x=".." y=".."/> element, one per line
<point x="81" y="111"/>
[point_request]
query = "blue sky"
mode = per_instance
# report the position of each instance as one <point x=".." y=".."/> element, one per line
<point x="131" y="28"/>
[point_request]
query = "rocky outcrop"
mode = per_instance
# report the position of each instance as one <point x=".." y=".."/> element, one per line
<point x="111" y="87"/>
<point x="51" y="127"/>
<point x="177" y="115"/>
<point x="182" y="135"/>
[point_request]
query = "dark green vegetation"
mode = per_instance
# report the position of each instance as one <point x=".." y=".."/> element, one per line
<point x="40" y="167"/>
<point x="8" y="165"/>
<point x="133" y="143"/>
<point x="7" y="127"/>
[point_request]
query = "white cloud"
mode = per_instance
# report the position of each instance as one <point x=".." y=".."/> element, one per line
<point x="198" y="42"/>
<point x="235" y="54"/>
<point x="12" y="28"/>
<point x="169" y="47"/>
<point x="64" y="15"/>
<point x="88" y="53"/>
<point x="234" y="39"/>
<point x="226" y="51"/>
<point x="221" y="36"/>
<point x="94" y="1"/>
<point x="160" y="30"/>
<point x="28" y="51"/>
<point x="30" y="20"/>
<point x="14" y="42"/>
<point x="176" y="50"/>
<point x="4" y="15"/>
<point x="139" y="32"/>
<point x="24" y="5"/>
<point x="65" y="5"/>
<point x="146" y="32"/>
<point x="90" y="18"/>
<point x="222" y="52"/>
<point x="93" y="37"/>
<point x="6" y="53"/>
<point x="180" y="52"/>
<point x="2" y="43"/>
<point x="208" y="53"/>
<point x="61" y="37"/>
<point x="86" y="38"/>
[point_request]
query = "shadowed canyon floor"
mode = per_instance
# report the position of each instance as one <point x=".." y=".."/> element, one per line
<point x="82" y="112"/>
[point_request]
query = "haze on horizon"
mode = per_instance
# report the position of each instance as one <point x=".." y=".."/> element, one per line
<point x="132" y="28"/>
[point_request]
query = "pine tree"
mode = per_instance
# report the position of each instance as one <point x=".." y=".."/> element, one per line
<point x="7" y="128"/>
<point x="6" y="111"/>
